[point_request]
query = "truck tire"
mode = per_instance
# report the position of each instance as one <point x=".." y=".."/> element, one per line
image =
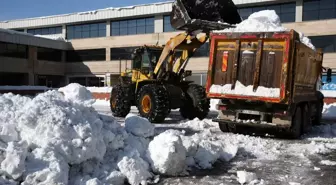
<point x="120" y="101"/>
<point x="306" y="119"/>
<point x="153" y="103"/>
<point x="317" y="118"/>
<point x="197" y="104"/>
<point x="296" y="128"/>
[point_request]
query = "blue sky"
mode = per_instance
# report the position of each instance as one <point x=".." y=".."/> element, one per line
<point x="17" y="9"/>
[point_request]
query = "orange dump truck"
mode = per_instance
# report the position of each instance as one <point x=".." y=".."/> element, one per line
<point x="266" y="82"/>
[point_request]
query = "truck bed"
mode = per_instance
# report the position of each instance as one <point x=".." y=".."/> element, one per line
<point x="261" y="66"/>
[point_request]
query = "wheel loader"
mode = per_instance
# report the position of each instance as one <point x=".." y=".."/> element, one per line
<point x="156" y="84"/>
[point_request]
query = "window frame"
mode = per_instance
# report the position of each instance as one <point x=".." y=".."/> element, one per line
<point x="137" y="26"/>
<point x="86" y="30"/>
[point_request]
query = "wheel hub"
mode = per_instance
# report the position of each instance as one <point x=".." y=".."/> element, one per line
<point x="146" y="104"/>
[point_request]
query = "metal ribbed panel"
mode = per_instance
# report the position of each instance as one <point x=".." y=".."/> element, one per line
<point x="141" y="10"/>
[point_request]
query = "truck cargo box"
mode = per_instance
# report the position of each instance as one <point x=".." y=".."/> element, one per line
<point x="273" y="67"/>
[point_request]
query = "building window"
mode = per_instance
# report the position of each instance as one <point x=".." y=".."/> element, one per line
<point x="86" y="55"/>
<point x="49" y="54"/>
<point x="203" y="51"/>
<point x="132" y="26"/>
<point x="319" y="9"/>
<point x="167" y="27"/>
<point x="52" y="81"/>
<point x="327" y="42"/>
<point x="285" y="11"/>
<point x="14" y="79"/>
<point x="19" y="30"/>
<point x="13" y="50"/>
<point x="199" y="79"/>
<point x="86" y="31"/>
<point x="92" y="81"/>
<point x="124" y="53"/>
<point x="46" y="31"/>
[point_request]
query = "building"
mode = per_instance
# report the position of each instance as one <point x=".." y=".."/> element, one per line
<point x="98" y="43"/>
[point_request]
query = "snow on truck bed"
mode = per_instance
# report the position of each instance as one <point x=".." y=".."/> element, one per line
<point x="262" y="21"/>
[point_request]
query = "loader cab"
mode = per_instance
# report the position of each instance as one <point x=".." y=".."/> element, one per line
<point x="145" y="59"/>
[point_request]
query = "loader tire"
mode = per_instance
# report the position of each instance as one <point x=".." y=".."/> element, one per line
<point x="120" y="100"/>
<point x="153" y="103"/>
<point x="306" y="119"/>
<point x="196" y="104"/>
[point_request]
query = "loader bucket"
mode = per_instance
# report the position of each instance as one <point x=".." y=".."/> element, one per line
<point x="205" y="15"/>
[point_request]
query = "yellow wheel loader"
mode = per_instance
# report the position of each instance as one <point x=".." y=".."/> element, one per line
<point x="156" y="82"/>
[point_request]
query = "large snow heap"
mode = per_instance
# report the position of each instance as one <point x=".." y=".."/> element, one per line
<point x="264" y="21"/>
<point x="57" y="137"/>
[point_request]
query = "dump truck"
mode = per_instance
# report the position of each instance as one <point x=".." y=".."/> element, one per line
<point x="156" y="84"/>
<point x="266" y="82"/>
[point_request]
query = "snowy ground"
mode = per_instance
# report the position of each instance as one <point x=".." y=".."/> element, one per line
<point x="310" y="160"/>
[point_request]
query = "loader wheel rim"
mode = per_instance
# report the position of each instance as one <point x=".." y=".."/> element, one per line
<point x="146" y="104"/>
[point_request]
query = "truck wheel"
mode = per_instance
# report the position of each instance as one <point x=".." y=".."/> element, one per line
<point x="120" y="101"/>
<point x="197" y="104"/>
<point x="306" y="119"/>
<point x="153" y="103"/>
<point x="296" y="127"/>
<point x="317" y="119"/>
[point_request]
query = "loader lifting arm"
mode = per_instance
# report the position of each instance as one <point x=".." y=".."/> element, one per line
<point x="197" y="19"/>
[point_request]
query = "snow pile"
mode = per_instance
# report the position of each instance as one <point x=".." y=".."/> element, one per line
<point x="264" y="21"/>
<point x="240" y="89"/>
<point x="329" y="111"/>
<point x="213" y="103"/>
<point x="99" y="89"/>
<point x="58" y="37"/>
<point x="77" y="93"/>
<point x="329" y="93"/>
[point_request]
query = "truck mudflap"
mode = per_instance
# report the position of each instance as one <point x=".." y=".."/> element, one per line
<point x="256" y="128"/>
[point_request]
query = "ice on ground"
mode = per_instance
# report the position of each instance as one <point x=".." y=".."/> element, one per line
<point x="328" y="162"/>
<point x="139" y="126"/>
<point x="264" y="21"/>
<point x="240" y="89"/>
<point x="166" y="154"/>
<point x="135" y="169"/>
<point x="14" y="163"/>
<point x="329" y="111"/>
<point x="246" y="177"/>
<point x="77" y="93"/>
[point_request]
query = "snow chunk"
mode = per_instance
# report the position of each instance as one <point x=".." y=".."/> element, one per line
<point x="207" y="154"/>
<point x="197" y="124"/>
<point x="328" y="162"/>
<point x="14" y="163"/>
<point x="75" y="131"/>
<point x="77" y="93"/>
<point x="329" y="111"/>
<point x="139" y="126"/>
<point x="135" y="169"/>
<point x="138" y="143"/>
<point x="246" y="177"/>
<point x="99" y="89"/>
<point x="4" y="181"/>
<point x="264" y="21"/>
<point x="116" y="178"/>
<point x="44" y="166"/>
<point x="167" y="154"/>
<point x="240" y="89"/>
